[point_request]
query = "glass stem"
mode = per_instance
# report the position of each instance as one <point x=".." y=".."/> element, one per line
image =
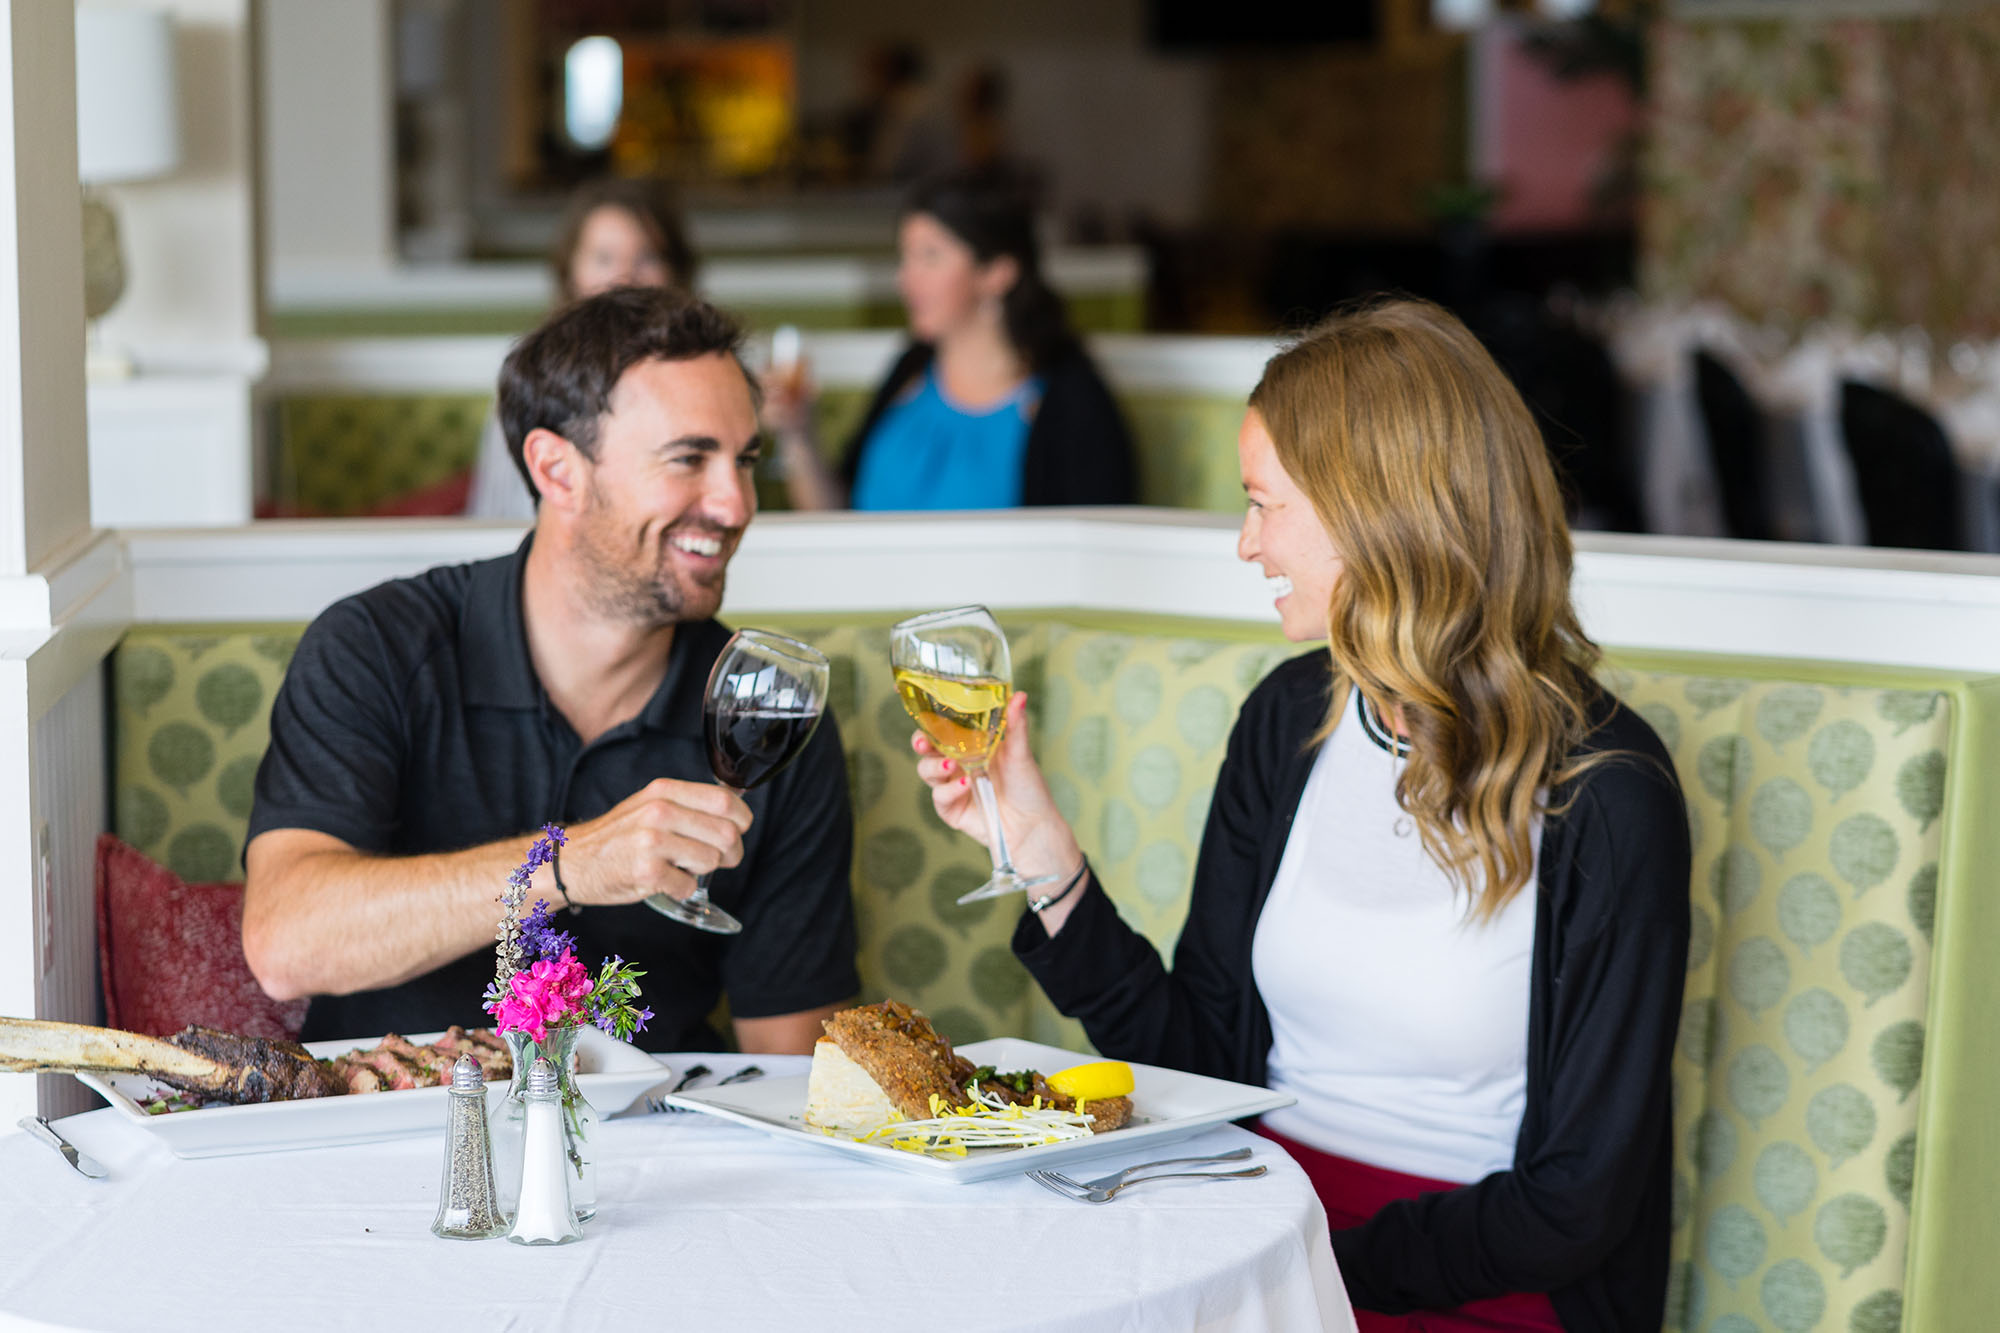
<point x="700" y="894"/>
<point x="989" y="804"/>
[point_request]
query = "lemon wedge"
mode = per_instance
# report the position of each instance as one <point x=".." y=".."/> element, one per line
<point x="1095" y="1081"/>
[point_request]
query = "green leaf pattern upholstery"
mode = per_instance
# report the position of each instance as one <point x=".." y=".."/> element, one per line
<point x="349" y="453"/>
<point x="1187" y="450"/>
<point x="192" y="719"/>
<point x="1815" y="812"/>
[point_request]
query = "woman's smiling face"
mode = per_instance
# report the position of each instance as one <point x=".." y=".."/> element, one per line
<point x="1283" y="536"/>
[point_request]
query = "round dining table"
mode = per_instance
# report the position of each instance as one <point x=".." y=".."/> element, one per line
<point x="701" y="1224"/>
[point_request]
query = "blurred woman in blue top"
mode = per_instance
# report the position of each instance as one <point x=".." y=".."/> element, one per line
<point x="995" y="403"/>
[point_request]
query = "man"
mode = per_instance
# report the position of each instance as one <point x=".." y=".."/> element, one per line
<point x="427" y="727"/>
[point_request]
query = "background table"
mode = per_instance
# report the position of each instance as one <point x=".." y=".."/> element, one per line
<point x="702" y="1224"/>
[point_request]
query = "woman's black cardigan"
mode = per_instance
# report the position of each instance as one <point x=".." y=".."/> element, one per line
<point x="1583" y="1212"/>
<point x="1078" y="453"/>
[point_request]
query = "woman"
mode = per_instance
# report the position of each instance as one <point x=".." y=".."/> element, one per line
<point x="995" y="404"/>
<point x="616" y="233"/>
<point x="1442" y="897"/>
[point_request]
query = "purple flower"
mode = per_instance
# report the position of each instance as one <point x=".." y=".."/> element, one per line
<point x="540" y="854"/>
<point x="539" y="937"/>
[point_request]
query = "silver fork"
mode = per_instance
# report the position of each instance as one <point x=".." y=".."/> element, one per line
<point x="1118" y="1177"/>
<point x="1043" y="1178"/>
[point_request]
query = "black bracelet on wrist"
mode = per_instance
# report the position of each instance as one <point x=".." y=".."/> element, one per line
<point x="1048" y="900"/>
<point x="555" y="869"/>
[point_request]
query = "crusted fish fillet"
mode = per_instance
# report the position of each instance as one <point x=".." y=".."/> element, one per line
<point x="899" y="1050"/>
<point x="841" y="1096"/>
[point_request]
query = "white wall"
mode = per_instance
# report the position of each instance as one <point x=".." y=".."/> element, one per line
<point x="1663" y="593"/>
<point x="190" y="302"/>
<point x="328" y="152"/>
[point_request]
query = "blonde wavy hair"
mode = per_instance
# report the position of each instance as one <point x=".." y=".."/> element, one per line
<point x="1453" y="605"/>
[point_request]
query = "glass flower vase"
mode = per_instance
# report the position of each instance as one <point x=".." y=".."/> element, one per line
<point x="579" y="1122"/>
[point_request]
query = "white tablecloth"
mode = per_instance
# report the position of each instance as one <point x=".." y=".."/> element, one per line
<point x="702" y="1224"/>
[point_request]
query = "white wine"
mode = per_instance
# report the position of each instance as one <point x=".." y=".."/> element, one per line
<point x="963" y="715"/>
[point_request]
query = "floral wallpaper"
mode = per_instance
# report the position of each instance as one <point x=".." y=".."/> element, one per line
<point x="1841" y="168"/>
<point x="1942" y="169"/>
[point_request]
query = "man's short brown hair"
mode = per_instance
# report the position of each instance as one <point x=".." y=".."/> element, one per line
<point x="560" y="377"/>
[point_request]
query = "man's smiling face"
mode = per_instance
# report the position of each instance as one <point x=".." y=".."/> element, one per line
<point x="669" y="491"/>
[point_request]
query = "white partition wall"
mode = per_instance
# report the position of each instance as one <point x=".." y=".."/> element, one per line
<point x="1674" y="594"/>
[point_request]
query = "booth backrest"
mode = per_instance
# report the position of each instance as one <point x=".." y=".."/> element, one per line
<point x="342" y="454"/>
<point x="355" y="453"/>
<point x="1824" y="801"/>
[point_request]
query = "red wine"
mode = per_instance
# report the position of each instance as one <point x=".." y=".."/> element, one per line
<point x="749" y="748"/>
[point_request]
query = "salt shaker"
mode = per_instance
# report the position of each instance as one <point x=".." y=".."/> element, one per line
<point x="467" y="1207"/>
<point x="545" y="1215"/>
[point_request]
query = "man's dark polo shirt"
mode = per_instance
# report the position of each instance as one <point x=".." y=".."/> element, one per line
<point x="411" y="721"/>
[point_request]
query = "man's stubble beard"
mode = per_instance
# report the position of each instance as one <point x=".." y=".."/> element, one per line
<point x="617" y="592"/>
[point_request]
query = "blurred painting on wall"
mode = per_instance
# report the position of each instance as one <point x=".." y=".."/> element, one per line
<point x="706" y="109"/>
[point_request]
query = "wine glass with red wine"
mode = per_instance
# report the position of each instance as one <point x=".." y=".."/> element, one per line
<point x="765" y="696"/>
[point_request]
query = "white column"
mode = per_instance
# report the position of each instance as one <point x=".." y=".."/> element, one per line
<point x="63" y="589"/>
<point x="41" y="292"/>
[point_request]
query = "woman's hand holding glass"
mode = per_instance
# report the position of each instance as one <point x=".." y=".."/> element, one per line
<point x="1039" y="838"/>
<point x="954" y="674"/>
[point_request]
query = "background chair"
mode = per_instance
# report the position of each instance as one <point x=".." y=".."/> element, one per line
<point x="1904" y="470"/>
<point x="1586" y="415"/>
<point x="1735" y="429"/>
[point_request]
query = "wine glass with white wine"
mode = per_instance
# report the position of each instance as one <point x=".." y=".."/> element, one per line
<point x="765" y="696"/>
<point x="954" y="677"/>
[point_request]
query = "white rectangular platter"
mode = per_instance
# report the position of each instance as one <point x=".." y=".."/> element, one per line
<point x="609" y="1072"/>
<point x="1166" y="1105"/>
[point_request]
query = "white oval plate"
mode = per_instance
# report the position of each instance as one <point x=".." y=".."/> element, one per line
<point x="610" y="1073"/>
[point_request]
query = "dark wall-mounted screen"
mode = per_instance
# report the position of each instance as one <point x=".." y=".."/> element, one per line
<point x="1209" y="25"/>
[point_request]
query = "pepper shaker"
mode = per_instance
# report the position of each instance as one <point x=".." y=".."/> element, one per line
<point x="545" y="1215"/>
<point x="467" y="1207"/>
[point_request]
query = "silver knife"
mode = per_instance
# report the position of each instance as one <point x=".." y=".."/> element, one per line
<point x="82" y="1161"/>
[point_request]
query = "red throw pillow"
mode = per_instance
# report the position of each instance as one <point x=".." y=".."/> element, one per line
<point x="171" y="953"/>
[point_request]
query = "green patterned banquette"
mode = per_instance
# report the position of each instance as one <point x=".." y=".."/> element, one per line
<point x="353" y="453"/>
<point x="1834" y="1150"/>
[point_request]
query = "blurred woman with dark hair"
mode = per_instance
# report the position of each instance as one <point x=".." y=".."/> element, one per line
<point x="615" y="233"/>
<point x="996" y="404"/>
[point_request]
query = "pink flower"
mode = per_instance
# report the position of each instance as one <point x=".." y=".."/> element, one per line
<point x="545" y="995"/>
